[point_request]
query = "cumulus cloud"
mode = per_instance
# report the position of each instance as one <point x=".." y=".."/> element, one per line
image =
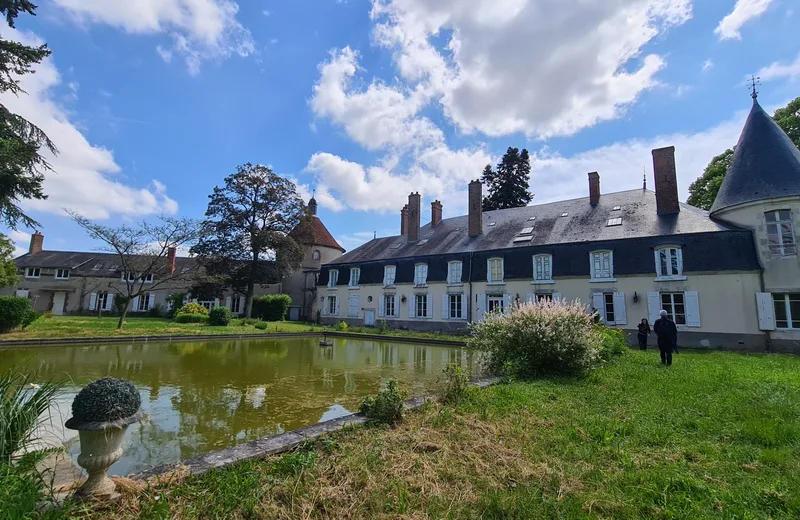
<point x="83" y="176"/>
<point x="200" y="29"/>
<point x="778" y="70"/>
<point x="743" y="12"/>
<point x="21" y="242"/>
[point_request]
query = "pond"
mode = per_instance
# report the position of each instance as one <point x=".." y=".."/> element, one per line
<point x="201" y="396"/>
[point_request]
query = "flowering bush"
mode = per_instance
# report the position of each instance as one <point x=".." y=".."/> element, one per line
<point x="542" y="338"/>
<point x="193" y="308"/>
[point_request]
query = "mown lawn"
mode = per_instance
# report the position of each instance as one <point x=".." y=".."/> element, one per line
<point x="717" y="435"/>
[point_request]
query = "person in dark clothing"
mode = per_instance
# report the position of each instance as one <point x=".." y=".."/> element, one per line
<point x="644" y="331"/>
<point x="667" y="334"/>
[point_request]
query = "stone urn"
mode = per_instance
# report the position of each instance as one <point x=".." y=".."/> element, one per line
<point x="101" y="413"/>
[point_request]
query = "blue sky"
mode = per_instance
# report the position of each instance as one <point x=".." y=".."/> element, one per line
<point x="153" y="102"/>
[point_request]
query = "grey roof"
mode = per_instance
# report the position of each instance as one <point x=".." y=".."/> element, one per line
<point x="83" y="263"/>
<point x="583" y="223"/>
<point x="765" y="165"/>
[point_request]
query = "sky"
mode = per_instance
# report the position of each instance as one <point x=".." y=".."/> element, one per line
<point x="151" y="103"/>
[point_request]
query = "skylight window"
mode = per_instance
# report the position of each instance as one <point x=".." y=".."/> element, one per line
<point x="422" y="242"/>
<point x="97" y="267"/>
<point x="614" y="222"/>
<point x="526" y="231"/>
<point x="616" y="208"/>
<point x="565" y="214"/>
<point x="523" y="238"/>
<point x="492" y="223"/>
<point x="532" y="218"/>
<point x="396" y="246"/>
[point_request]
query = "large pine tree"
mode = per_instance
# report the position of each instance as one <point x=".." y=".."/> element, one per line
<point x="508" y="184"/>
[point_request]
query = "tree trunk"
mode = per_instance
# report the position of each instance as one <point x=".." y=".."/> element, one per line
<point x="248" y="304"/>
<point x="124" y="313"/>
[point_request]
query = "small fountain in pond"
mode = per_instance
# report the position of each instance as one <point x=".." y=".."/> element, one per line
<point x="324" y="342"/>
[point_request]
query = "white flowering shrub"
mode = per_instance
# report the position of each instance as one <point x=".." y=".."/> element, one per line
<point x="539" y="339"/>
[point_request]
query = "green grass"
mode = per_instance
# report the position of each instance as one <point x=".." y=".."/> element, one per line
<point x="717" y="435"/>
<point x="91" y="326"/>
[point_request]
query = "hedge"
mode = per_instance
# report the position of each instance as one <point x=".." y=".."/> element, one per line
<point x="191" y="318"/>
<point x="272" y="307"/>
<point x="15" y="311"/>
<point x="220" y="317"/>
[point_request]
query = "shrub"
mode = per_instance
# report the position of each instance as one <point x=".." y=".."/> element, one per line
<point x="120" y="302"/>
<point x="191" y="318"/>
<point x="14" y="310"/>
<point x="156" y="311"/>
<point x="220" y="317"/>
<point x="382" y="328"/>
<point x="386" y="407"/>
<point x="30" y="317"/>
<point x="106" y="399"/>
<point x="192" y="308"/>
<point x="272" y="307"/>
<point x="261" y="325"/>
<point x="341" y="326"/>
<point x="542" y="338"/>
<point x="614" y="343"/>
<point x="174" y="303"/>
<point x="456" y="384"/>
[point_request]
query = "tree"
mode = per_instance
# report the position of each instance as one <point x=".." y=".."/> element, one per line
<point x="703" y="191"/>
<point x="508" y="185"/>
<point x="245" y="237"/>
<point x="22" y="167"/>
<point x="8" y="269"/>
<point x="143" y="251"/>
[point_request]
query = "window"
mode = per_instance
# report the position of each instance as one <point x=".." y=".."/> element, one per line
<point x="388" y="305"/>
<point x="544" y="297"/>
<point x="33" y="272"/>
<point x="495" y="270"/>
<point x="315" y="255"/>
<point x="669" y="262"/>
<point x="236" y="305"/>
<point x="129" y="276"/>
<point x="333" y="278"/>
<point x="103" y="301"/>
<point x="780" y="234"/>
<point x="97" y="267"/>
<point x="148" y="278"/>
<point x="602" y="265"/>
<point x="208" y="304"/>
<point x="355" y="274"/>
<point x="62" y="274"/>
<point x="542" y="268"/>
<point x="787" y="310"/>
<point x="608" y="308"/>
<point x="421" y="275"/>
<point x="388" y="275"/>
<point x="616" y="221"/>
<point x="454" y="273"/>
<point x="495" y="304"/>
<point x="675" y="306"/>
<point x="456" y="306"/>
<point x="421" y="305"/>
<point x="332" y="305"/>
<point x="144" y="302"/>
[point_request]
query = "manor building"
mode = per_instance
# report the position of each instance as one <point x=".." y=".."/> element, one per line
<point x="729" y="278"/>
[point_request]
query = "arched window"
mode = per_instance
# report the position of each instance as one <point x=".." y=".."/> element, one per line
<point x="315" y="255"/>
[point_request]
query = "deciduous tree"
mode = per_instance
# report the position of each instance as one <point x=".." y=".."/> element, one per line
<point x="8" y="269"/>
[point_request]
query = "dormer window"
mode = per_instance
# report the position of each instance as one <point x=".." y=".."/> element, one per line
<point x="669" y="263"/>
<point x="33" y="272"/>
<point x="421" y="275"/>
<point x="601" y="265"/>
<point x="62" y="274"/>
<point x="388" y="275"/>
<point x="780" y="232"/>
<point x="333" y="278"/>
<point x="97" y="267"/>
<point x="148" y="278"/>
<point x="355" y="275"/>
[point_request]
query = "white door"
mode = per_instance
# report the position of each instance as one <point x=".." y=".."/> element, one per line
<point x="369" y="318"/>
<point x="59" y="299"/>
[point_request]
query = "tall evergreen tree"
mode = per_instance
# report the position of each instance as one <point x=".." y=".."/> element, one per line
<point x="508" y="184"/>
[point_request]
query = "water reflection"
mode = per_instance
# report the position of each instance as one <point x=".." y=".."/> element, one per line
<point x="204" y="396"/>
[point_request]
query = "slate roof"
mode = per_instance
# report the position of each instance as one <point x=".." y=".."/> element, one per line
<point x="583" y="223"/>
<point x="83" y="263"/>
<point x="320" y="235"/>
<point x="765" y="165"/>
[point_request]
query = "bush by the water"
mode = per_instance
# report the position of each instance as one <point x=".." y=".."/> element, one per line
<point x="15" y="311"/>
<point x="261" y="325"/>
<point x="341" y="326"/>
<point x="272" y="307"/>
<point x="539" y="339"/>
<point x="456" y="384"/>
<point x="386" y="407"/>
<point x="174" y="303"/>
<point x="191" y="318"/>
<point x="193" y="308"/>
<point x="220" y="317"/>
<point x="614" y="342"/>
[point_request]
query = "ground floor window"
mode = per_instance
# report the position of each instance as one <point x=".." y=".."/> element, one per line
<point x="388" y="305"/>
<point x="332" y="305"/>
<point x="236" y="305"/>
<point x="608" y="308"/>
<point x="456" y="306"/>
<point x="421" y="305"/>
<point x="675" y="306"/>
<point x="495" y="304"/>
<point x="208" y="304"/>
<point x="787" y="310"/>
<point x="544" y="297"/>
<point x="143" y="305"/>
<point x="102" y="301"/>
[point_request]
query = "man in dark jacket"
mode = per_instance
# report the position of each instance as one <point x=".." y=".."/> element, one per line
<point x="667" y="334"/>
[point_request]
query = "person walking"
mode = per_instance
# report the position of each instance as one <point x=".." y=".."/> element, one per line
<point x="644" y="331"/>
<point x="667" y="334"/>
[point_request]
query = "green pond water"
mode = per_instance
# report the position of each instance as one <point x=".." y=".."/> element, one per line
<point x="201" y="396"/>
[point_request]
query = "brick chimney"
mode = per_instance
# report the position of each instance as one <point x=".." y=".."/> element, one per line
<point x="436" y="212"/>
<point x="414" y="203"/>
<point x="594" y="188"/>
<point x="475" y="219"/>
<point x="666" y="181"/>
<point x="404" y="220"/>
<point x="171" y="254"/>
<point x="37" y="242"/>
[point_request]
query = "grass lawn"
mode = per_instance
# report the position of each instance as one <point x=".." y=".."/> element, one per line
<point x="717" y="435"/>
<point x="91" y="326"/>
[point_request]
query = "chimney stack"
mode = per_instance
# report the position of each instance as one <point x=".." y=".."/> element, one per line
<point x="171" y="254"/>
<point x="404" y="220"/>
<point x="414" y="202"/>
<point x="436" y="213"/>
<point x="475" y="220"/>
<point x="37" y="242"/>
<point x="666" y="181"/>
<point x="594" y="188"/>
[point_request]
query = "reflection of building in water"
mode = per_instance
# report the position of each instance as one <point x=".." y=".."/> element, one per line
<point x="349" y="382"/>
<point x="327" y="378"/>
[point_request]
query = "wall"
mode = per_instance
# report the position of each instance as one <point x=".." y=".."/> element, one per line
<point x="301" y="284"/>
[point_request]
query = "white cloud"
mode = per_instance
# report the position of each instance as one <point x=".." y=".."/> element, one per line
<point x="82" y="180"/>
<point x="743" y="12"/>
<point x="21" y="241"/>
<point x="200" y="29"/>
<point x="708" y="65"/>
<point x="777" y="70"/>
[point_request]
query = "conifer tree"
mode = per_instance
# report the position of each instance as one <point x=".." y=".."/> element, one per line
<point x="508" y="184"/>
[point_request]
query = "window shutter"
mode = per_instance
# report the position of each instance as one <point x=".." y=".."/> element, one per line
<point x="692" y="308"/>
<point x="445" y="306"/>
<point x="185" y="299"/>
<point x="481" y="305"/>
<point x="109" y="302"/>
<point x="556" y="296"/>
<point x="92" y="301"/>
<point x="396" y="307"/>
<point x="620" y="314"/>
<point x="335" y="305"/>
<point x="382" y="306"/>
<point x="429" y="305"/>
<point x="228" y="301"/>
<point x="412" y="306"/>
<point x="135" y="305"/>
<point x="653" y="306"/>
<point x="241" y="304"/>
<point x="507" y="301"/>
<point x="679" y="252"/>
<point x="464" y="304"/>
<point x="657" y="263"/>
<point x="598" y="304"/>
<point x="352" y="306"/>
<point x="151" y="300"/>
<point x="766" y="311"/>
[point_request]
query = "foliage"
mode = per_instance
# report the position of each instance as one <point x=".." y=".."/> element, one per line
<point x="22" y="166"/>
<point x="614" y="342"/>
<point x="539" y="339"/>
<point x="193" y="308"/>
<point x="508" y="185"/>
<point x="9" y="273"/>
<point x="120" y="304"/>
<point x="383" y="327"/>
<point x="187" y="317"/>
<point x="14" y="312"/>
<point x="220" y="317"/>
<point x="271" y="307"/>
<point x="174" y="302"/>
<point x="254" y="227"/>
<point x="106" y="399"/>
<point x="23" y="492"/>
<point x="261" y="325"/>
<point x="456" y="384"/>
<point x="341" y="326"/>
<point x="156" y="311"/>
<point x="30" y="317"/>
<point x="23" y="407"/>
<point x="703" y="191"/>
<point x="788" y="118"/>
<point x="386" y="407"/>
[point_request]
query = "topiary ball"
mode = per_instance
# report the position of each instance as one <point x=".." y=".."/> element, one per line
<point x="104" y="400"/>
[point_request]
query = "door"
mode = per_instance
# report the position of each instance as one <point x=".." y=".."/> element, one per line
<point x="294" y="313"/>
<point x="369" y="318"/>
<point x="59" y="299"/>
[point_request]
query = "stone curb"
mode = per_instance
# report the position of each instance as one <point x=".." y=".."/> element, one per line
<point x="277" y="443"/>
